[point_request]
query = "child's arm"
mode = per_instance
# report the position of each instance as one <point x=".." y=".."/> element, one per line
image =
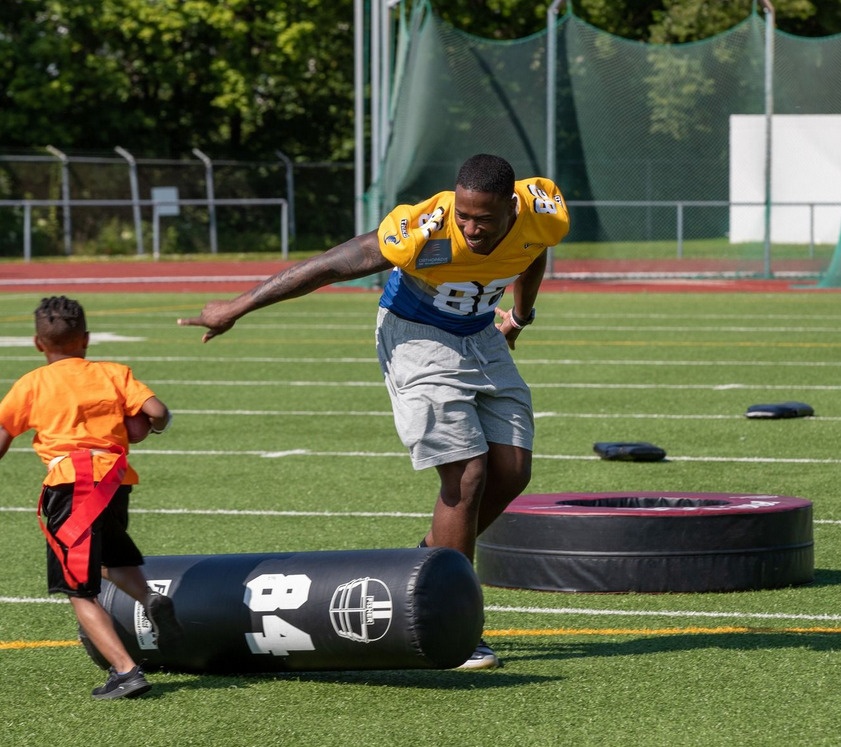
<point x="159" y="414"/>
<point x="5" y="441"/>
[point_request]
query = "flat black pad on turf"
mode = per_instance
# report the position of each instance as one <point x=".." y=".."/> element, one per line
<point x="780" y="410"/>
<point x="629" y="451"/>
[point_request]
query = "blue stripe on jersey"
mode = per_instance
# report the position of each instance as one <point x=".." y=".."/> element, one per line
<point x="404" y="296"/>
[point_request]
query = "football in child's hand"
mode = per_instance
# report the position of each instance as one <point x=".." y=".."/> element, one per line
<point x="137" y="427"/>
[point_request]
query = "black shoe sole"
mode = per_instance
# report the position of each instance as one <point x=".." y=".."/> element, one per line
<point x="132" y="691"/>
<point x="168" y="630"/>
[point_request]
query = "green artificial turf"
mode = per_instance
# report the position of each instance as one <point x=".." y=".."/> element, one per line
<point x="283" y="441"/>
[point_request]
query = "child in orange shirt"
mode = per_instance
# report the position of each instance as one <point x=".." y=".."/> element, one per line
<point x="77" y="409"/>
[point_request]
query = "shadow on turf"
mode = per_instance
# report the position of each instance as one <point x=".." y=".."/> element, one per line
<point x="756" y="640"/>
<point x="432" y="679"/>
<point x="519" y="652"/>
<point x="435" y="679"/>
<point x="826" y="577"/>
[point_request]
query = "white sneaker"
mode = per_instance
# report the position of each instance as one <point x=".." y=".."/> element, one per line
<point x="482" y="658"/>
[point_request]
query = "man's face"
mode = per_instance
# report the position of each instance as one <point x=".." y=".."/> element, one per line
<point x="483" y="218"/>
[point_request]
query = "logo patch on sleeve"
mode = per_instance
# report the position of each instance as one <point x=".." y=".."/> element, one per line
<point x="436" y="252"/>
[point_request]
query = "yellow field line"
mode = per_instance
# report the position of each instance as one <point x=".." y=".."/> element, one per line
<point x="17" y="645"/>
<point x="545" y="632"/>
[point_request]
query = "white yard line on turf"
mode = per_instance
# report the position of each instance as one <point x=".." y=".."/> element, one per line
<point x="402" y="455"/>
<point x="544" y="414"/>
<point x="254" y="512"/>
<point x="659" y="613"/>
<point x="269" y="513"/>
<point x="721" y="387"/>
<point x="733" y="386"/>
<point x="533" y="385"/>
<point x="318" y="514"/>
<point x="689" y="614"/>
<point x="131" y="280"/>
<point x="520" y="361"/>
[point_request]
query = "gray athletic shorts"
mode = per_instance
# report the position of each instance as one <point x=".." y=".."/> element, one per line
<point x="452" y="395"/>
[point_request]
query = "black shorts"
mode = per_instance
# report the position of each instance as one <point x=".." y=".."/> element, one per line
<point x="110" y="546"/>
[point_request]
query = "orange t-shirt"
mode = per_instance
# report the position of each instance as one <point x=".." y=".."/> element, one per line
<point x="75" y="404"/>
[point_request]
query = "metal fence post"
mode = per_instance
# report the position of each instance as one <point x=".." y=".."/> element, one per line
<point x="680" y="230"/>
<point x="551" y="102"/>
<point x="359" y="113"/>
<point x="769" y="123"/>
<point x="211" y="204"/>
<point x="290" y="190"/>
<point x="65" y="197"/>
<point x="27" y="231"/>
<point x="284" y="229"/>
<point x="135" y="196"/>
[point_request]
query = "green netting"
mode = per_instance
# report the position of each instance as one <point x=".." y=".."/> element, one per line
<point x="654" y="124"/>
<point x="460" y="95"/>
<point x="642" y="137"/>
<point x="831" y="278"/>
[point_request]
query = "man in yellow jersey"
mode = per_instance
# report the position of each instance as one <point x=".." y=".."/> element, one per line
<point x="459" y="403"/>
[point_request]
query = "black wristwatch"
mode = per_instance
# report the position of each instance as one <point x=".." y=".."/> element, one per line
<point x="520" y="323"/>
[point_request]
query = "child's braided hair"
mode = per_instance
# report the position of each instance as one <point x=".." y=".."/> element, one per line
<point x="60" y="321"/>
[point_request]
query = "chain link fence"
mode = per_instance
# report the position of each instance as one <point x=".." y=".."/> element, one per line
<point x="57" y="204"/>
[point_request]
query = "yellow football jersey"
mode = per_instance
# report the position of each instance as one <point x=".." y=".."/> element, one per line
<point x="438" y="279"/>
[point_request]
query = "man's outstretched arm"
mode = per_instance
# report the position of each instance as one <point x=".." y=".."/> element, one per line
<point x="354" y="259"/>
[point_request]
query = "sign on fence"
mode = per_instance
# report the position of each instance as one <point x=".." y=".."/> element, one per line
<point x="165" y="203"/>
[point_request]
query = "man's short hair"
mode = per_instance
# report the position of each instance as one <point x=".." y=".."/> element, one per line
<point x="60" y="321"/>
<point x="486" y="173"/>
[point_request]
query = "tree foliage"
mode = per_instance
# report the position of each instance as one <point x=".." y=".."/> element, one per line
<point x="658" y="21"/>
<point x="244" y="78"/>
<point x="163" y="76"/>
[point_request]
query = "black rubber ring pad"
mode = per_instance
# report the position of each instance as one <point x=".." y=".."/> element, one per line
<point x="649" y="542"/>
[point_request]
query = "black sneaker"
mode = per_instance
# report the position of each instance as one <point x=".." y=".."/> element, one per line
<point x="161" y="613"/>
<point x="482" y="658"/>
<point x="128" y="685"/>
